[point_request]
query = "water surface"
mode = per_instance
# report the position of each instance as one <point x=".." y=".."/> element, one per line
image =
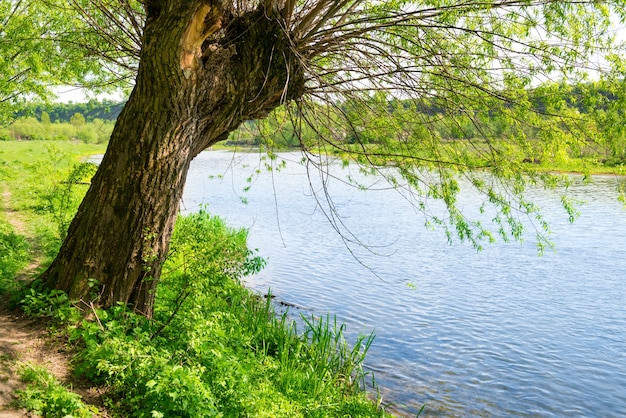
<point x="501" y="332"/>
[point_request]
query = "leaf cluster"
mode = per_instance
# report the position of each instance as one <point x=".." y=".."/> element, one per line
<point x="45" y="44"/>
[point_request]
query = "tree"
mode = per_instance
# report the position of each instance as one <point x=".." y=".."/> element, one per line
<point x="77" y="119"/>
<point x="45" y="118"/>
<point x="207" y="66"/>
<point x="31" y="36"/>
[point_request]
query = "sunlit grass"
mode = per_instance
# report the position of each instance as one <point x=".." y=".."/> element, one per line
<point x="32" y="174"/>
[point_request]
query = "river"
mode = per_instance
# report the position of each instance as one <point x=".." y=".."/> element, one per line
<point x="497" y="332"/>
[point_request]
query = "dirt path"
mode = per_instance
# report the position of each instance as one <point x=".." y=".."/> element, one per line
<point x="22" y="341"/>
<point x="27" y="341"/>
<point x="13" y="219"/>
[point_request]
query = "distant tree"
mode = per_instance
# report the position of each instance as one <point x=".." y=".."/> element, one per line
<point x="62" y="112"/>
<point x="77" y="119"/>
<point x="45" y="118"/>
<point x="207" y="66"/>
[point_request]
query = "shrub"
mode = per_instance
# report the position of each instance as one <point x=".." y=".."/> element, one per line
<point x="87" y="134"/>
<point x="97" y="131"/>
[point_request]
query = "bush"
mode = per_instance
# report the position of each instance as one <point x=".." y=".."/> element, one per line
<point x="37" y="301"/>
<point x="87" y="134"/>
<point x="29" y="128"/>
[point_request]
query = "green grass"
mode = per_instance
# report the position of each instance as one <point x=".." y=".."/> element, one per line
<point x="36" y="174"/>
<point x="587" y="165"/>
<point x="213" y="347"/>
<point x="27" y="167"/>
<point x="14" y="256"/>
<point x="476" y="153"/>
<point x="31" y="174"/>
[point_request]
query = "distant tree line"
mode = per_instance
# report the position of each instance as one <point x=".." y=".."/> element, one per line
<point x="400" y="120"/>
<point x="542" y="100"/>
<point x="599" y="113"/>
<point x="107" y="110"/>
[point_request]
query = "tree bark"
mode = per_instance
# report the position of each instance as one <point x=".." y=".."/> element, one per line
<point x="202" y="72"/>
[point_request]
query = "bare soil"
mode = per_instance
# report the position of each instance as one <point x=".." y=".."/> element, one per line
<point x="18" y="342"/>
<point x="25" y="341"/>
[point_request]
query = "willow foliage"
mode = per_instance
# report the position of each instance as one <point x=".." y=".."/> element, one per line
<point x="430" y="94"/>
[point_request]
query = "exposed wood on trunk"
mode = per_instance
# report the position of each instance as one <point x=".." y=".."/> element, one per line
<point x="204" y="23"/>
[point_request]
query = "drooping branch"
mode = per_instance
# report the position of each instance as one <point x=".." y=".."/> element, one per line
<point x="117" y="23"/>
<point x="409" y="39"/>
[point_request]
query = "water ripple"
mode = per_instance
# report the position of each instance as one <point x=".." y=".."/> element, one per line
<point x="497" y="333"/>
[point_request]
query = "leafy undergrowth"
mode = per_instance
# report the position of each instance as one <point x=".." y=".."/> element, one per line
<point x="14" y="255"/>
<point x="213" y="349"/>
<point x="47" y="397"/>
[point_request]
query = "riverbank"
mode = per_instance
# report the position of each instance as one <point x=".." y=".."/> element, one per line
<point x="213" y="347"/>
<point x="431" y="340"/>
<point x="498" y="332"/>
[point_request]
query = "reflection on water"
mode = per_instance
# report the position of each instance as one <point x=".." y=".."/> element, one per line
<point x="491" y="333"/>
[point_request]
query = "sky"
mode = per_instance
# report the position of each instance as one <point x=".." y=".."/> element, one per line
<point x="77" y="95"/>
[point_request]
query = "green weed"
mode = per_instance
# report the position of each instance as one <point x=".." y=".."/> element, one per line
<point x="14" y="255"/>
<point x="37" y="301"/>
<point x="46" y="396"/>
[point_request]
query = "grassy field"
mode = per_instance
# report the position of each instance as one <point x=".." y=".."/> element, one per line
<point x="35" y="191"/>
<point x="30" y="168"/>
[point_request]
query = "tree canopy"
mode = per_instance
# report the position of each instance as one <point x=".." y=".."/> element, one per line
<point x="107" y="110"/>
<point x="45" y="44"/>
<point x="366" y="80"/>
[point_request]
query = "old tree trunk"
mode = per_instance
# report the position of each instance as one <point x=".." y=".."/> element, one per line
<point x="202" y="72"/>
